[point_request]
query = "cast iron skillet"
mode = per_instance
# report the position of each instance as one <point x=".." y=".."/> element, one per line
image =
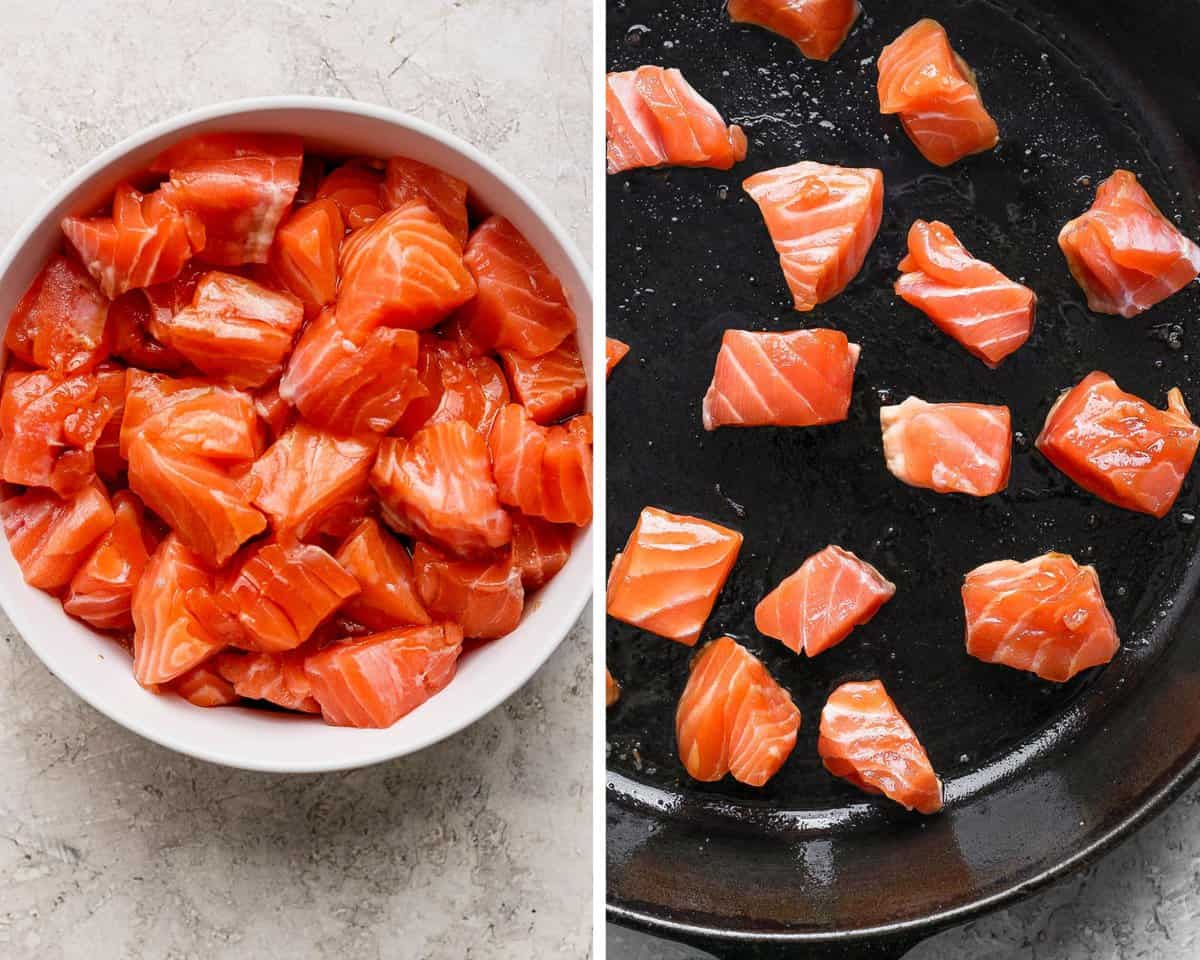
<point x="1039" y="777"/>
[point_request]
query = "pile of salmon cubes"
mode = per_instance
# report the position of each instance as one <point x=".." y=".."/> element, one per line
<point x="292" y="428"/>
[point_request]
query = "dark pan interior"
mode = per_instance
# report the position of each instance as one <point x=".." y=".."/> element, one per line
<point x="688" y="257"/>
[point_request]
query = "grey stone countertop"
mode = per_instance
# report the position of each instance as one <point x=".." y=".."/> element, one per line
<point x="1140" y="901"/>
<point x="111" y="847"/>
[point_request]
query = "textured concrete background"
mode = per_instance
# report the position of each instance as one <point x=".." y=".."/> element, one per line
<point x="1139" y="902"/>
<point x="111" y="847"/>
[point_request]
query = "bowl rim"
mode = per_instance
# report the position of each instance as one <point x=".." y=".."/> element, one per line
<point x="568" y="613"/>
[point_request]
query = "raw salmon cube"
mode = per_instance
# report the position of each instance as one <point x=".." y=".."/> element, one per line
<point x="192" y="414"/>
<point x="60" y="322"/>
<point x="455" y="387"/>
<point x="278" y="594"/>
<point x="199" y="501"/>
<point x="203" y="686"/>
<point x="168" y="639"/>
<point x="1046" y="615"/>
<point x="1118" y="447"/>
<point x="51" y="537"/>
<point x="239" y="186"/>
<point x="551" y="387"/>
<point x="381" y="566"/>
<point x="654" y="118"/>
<point x="543" y="471"/>
<point x="667" y="578"/>
<point x="439" y="486"/>
<point x="357" y="191"/>
<point x="1124" y="253"/>
<point x="934" y="91"/>
<point x="540" y="549"/>
<point x="409" y="180"/>
<point x="129" y="320"/>
<point x="347" y="388"/>
<point x="305" y="253"/>
<point x="308" y="473"/>
<point x="816" y="607"/>
<point x="49" y="429"/>
<point x="484" y="597"/>
<point x="145" y="241"/>
<point x="278" y="678"/>
<point x="733" y="717"/>
<point x="822" y="220"/>
<point x="614" y="352"/>
<point x="948" y="447"/>
<point x="865" y="739"/>
<point x="235" y="329"/>
<point x="404" y="270"/>
<point x="521" y="305"/>
<point x="101" y="591"/>
<point x="375" y="681"/>
<point x="817" y="27"/>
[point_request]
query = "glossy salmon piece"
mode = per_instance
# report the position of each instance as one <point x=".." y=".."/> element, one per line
<point x="60" y="322"/>
<point x="540" y="549"/>
<point x="101" y="592"/>
<point x="347" y="388"/>
<point x="614" y="353"/>
<point x="935" y="93"/>
<point x="612" y="690"/>
<point x="654" y="118"/>
<point x="968" y="299"/>
<point x="439" y="486"/>
<point x="484" y="597"/>
<point x="375" y="681"/>
<point x="198" y="500"/>
<point x="453" y="387"/>
<point x="667" y="578"/>
<point x="304" y="255"/>
<point x="50" y="537"/>
<point x="275" y="597"/>
<point x="551" y="387"/>
<point x="798" y="378"/>
<point x="168" y="640"/>
<point x="520" y="304"/>
<point x="543" y="471"/>
<point x="49" y="429"/>
<point x="1045" y="615"/>
<point x="865" y="739"/>
<point x="203" y="686"/>
<point x="106" y="454"/>
<point x="409" y="180"/>
<point x="309" y="474"/>
<point x="235" y="329"/>
<point x="818" y="606"/>
<point x="1124" y="253"/>
<point x="145" y="241"/>
<point x="817" y="27"/>
<point x="278" y="678"/>
<point x="357" y="191"/>
<point x="129" y="322"/>
<point x="733" y="717"/>
<point x="822" y="220"/>
<point x="948" y="447"/>
<point x="458" y="331"/>
<point x="388" y="595"/>
<point x="404" y="270"/>
<point x="1118" y="447"/>
<point x="239" y="186"/>
<point x="192" y="414"/>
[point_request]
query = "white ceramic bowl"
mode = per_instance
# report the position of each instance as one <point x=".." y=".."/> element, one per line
<point x="95" y="667"/>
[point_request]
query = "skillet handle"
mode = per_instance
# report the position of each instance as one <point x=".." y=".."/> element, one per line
<point x="891" y="948"/>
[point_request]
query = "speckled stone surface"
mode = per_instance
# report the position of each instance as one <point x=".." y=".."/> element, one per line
<point x="1141" y="901"/>
<point x="480" y="847"/>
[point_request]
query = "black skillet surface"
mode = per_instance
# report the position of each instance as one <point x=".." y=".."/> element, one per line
<point x="1038" y="775"/>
